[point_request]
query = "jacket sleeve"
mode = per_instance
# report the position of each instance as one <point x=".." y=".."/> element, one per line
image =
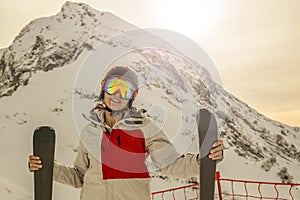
<point x="169" y="161"/>
<point x="72" y="176"/>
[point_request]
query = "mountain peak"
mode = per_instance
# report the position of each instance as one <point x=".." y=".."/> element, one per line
<point x="51" y="42"/>
<point x="70" y="8"/>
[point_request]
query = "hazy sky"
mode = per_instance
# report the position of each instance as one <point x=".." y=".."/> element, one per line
<point x="255" y="44"/>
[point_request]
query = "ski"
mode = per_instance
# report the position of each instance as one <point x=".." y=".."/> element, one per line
<point x="43" y="146"/>
<point x="208" y="134"/>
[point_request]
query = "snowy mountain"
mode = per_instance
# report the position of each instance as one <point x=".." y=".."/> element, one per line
<point x="38" y="76"/>
<point x="52" y="42"/>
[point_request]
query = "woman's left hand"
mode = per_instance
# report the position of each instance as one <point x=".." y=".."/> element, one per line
<point x="217" y="151"/>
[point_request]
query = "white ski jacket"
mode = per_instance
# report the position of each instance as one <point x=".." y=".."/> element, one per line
<point x="110" y="163"/>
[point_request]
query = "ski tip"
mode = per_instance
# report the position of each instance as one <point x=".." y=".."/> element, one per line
<point x="40" y="128"/>
<point x="205" y="112"/>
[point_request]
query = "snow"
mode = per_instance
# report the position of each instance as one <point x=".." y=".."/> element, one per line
<point x="10" y="191"/>
<point x="48" y="98"/>
<point x="34" y="104"/>
<point x="1" y="51"/>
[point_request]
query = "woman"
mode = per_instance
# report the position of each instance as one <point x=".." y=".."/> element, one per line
<point x="115" y="144"/>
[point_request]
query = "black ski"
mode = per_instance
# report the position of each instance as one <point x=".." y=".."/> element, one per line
<point x="208" y="134"/>
<point x="43" y="146"/>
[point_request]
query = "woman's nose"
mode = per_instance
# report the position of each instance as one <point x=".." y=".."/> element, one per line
<point x="117" y="94"/>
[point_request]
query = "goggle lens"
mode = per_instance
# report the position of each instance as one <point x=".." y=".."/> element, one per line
<point x="115" y="84"/>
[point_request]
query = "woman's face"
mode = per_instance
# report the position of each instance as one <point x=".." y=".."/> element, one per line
<point x="114" y="101"/>
<point x="118" y="92"/>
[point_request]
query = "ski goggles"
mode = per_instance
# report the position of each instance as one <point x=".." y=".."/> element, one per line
<point x="113" y="85"/>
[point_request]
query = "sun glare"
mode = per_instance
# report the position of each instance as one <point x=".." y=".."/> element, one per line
<point x="190" y="17"/>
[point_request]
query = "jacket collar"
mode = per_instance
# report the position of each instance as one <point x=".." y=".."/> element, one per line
<point x="132" y="118"/>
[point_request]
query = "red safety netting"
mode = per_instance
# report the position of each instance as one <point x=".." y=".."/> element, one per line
<point x="174" y="192"/>
<point x="234" y="189"/>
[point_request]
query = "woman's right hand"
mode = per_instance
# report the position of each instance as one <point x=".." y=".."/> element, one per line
<point x="34" y="163"/>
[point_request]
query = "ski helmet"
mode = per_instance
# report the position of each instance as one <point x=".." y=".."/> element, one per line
<point x="123" y="72"/>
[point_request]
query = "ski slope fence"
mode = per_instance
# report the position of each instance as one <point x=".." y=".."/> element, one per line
<point x="234" y="189"/>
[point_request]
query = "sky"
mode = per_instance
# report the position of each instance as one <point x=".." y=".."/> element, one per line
<point x="254" y="44"/>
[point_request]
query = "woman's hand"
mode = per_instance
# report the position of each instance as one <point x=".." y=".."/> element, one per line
<point x="217" y="152"/>
<point x="34" y="163"/>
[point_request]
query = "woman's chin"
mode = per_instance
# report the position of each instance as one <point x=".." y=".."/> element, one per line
<point x="116" y="106"/>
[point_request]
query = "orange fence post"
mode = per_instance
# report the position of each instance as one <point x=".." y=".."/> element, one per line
<point x="218" y="175"/>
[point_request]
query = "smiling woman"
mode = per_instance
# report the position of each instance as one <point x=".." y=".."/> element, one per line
<point x="192" y="18"/>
